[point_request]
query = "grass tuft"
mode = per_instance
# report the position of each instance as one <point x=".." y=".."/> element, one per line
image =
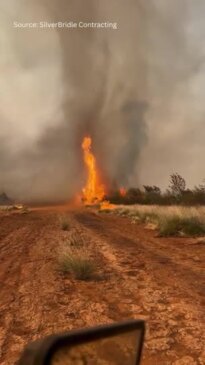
<point x="64" y="223"/>
<point x="75" y="241"/>
<point x="78" y="263"/>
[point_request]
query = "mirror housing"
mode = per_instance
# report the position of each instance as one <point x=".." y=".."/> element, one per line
<point x="41" y="352"/>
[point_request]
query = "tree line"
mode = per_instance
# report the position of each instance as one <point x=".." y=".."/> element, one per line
<point x="176" y="194"/>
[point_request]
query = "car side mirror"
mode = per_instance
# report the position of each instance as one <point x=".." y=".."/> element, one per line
<point x="114" y="344"/>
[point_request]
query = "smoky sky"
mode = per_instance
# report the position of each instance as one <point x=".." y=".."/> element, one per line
<point x="138" y="91"/>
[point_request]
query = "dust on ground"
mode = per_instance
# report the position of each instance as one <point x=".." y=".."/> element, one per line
<point x="141" y="276"/>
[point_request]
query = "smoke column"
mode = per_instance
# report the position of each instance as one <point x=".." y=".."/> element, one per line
<point x="137" y="90"/>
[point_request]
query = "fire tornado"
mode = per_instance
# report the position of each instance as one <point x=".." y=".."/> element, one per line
<point x="94" y="191"/>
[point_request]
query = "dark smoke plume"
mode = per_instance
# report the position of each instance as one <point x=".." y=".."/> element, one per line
<point x="137" y="90"/>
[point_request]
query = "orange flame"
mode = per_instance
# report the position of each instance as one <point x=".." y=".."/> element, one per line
<point x="93" y="191"/>
<point x="106" y="205"/>
<point x="123" y="191"/>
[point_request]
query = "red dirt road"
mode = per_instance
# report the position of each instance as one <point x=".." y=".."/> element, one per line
<point x="141" y="276"/>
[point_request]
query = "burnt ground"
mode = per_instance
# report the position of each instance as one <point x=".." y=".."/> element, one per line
<point x="140" y="276"/>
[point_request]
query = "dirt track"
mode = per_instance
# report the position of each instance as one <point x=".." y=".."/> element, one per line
<point x="142" y="276"/>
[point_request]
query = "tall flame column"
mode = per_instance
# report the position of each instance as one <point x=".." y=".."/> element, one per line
<point x="94" y="191"/>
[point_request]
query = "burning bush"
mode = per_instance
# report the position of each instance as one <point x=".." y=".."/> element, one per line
<point x="132" y="196"/>
<point x="95" y="193"/>
<point x="177" y="194"/>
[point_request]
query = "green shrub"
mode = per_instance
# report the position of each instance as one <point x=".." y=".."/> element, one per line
<point x="176" y="225"/>
<point x="169" y="226"/>
<point x="77" y="263"/>
<point x="193" y="227"/>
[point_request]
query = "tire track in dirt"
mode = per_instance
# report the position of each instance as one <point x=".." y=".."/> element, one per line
<point x="11" y="288"/>
<point x="167" y="292"/>
<point x="124" y="234"/>
<point x="18" y="303"/>
<point x="36" y="299"/>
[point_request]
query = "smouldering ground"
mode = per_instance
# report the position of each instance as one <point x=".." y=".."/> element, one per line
<point x="140" y="276"/>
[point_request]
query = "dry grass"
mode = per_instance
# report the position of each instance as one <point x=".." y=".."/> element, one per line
<point x="75" y="241"/>
<point x="176" y="225"/>
<point x="171" y="221"/>
<point x="163" y="210"/>
<point x="75" y="259"/>
<point x="64" y="223"/>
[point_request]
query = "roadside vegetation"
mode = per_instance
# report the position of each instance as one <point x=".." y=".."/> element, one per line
<point x="178" y="211"/>
<point x="176" y="194"/>
<point x="174" y="226"/>
<point x="169" y="221"/>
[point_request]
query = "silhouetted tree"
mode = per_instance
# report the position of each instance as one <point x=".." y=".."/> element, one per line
<point x="134" y="196"/>
<point x="152" y="189"/>
<point x="177" y="184"/>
